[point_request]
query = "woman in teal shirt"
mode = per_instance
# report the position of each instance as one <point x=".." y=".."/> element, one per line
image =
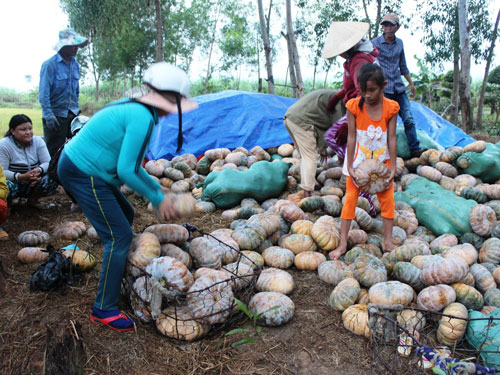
<point x="108" y="153"/>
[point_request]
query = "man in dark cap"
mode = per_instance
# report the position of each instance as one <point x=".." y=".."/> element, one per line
<point x="393" y="62"/>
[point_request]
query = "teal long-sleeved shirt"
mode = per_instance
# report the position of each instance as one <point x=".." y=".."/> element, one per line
<point x="112" y="145"/>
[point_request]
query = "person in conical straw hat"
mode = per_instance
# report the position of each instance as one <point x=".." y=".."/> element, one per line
<point x="107" y="153"/>
<point x="347" y="40"/>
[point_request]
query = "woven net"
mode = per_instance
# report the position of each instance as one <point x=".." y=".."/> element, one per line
<point x="206" y="307"/>
<point x="413" y="341"/>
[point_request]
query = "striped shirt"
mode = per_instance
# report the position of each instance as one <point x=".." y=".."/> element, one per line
<point x="393" y="62"/>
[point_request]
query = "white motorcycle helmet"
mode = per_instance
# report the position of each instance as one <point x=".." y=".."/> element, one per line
<point x="168" y="80"/>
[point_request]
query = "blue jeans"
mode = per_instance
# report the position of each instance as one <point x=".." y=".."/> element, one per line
<point x="406" y="116"/>
<point x="111" y="214"/>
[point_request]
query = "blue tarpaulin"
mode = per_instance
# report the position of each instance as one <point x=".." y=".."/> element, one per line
<point x="239" y="118"/>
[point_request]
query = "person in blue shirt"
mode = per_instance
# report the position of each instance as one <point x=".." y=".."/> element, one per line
<point x="107" y="153"/>
<point x="59" y="89"/>
<point x="393" y="62"/>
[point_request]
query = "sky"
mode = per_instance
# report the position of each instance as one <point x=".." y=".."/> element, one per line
<point x="29" y="30"/>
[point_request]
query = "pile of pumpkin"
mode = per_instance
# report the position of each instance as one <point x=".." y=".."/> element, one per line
<point x="447" y="273"/>
<point x="33" y="240"/>
<point x="201" y="277"/>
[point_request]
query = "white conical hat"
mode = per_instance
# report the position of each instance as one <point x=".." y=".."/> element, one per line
<point x="342" y="36"/>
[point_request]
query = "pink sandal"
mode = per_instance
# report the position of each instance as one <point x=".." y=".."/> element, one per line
<point x="107" y="322"/>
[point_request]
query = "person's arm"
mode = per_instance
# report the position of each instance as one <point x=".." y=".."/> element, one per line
<point x="43" y="155"/>
<point x="5" y="162"/>
<point x="46" y="79"/>
<point x="351" y="144"/>
<point x="130" y="152"/>
<point x="392" y="144"/>
<point x="405" y="72"/>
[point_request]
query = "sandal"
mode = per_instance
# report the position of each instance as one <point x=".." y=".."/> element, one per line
<point x="41" y="205"/>
<point x="116" y="320"/>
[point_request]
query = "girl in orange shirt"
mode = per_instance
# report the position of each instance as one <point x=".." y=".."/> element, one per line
<point x="372" y="134"/>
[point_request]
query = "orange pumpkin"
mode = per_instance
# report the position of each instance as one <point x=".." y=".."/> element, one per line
<point x="71" y="230"/>
<point x="32" y="255"/>
<point x="308" y="260"/>
<point x="445" y="271"/>
<point x="355" y="319"/>
<point x="325" y="233"/>
<point x="372" y="176"/>
<point x="275" y="280"/>
<point x="177" y="323"/>
<point x="451" y="330"/>
<point x="436" y="297"/>
<point x="169" y="233"/>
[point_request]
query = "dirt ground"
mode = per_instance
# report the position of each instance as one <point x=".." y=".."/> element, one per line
<point x="314" y="342"/>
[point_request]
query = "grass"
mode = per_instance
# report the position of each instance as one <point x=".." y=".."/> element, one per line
<point x="33" y="113"/>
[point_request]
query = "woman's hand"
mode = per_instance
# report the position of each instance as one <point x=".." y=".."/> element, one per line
<point x="166" y="209"/>
<point x="32" y="176"/>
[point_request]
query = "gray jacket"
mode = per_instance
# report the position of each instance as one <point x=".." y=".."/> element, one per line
<point x="15" y="158"/>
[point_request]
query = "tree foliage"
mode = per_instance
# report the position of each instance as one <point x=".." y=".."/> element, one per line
<point x="439" y="23"/>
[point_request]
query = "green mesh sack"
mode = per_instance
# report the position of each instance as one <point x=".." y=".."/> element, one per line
<point x="426" y="142"/>
<point x="485" y="165"/>
<point x="263" y="180"/>
<point x="483" y="334"/>
<point x="438" y="209"/>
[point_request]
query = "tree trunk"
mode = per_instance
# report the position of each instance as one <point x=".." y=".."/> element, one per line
<point x="212" y="42"/>
<point x="294" y="50"/>
<point x="159" y="31"/>
<point x="64" y="353"/>
<point x="456" y="84"/>
<point x="267" y="48"/>
<point x="291" y="66"/>
<point x="479" y="120"/>
<point x="326" y="76"/>
<point x="377" y="20"/>
<point x="314" y="75"/>
<point x="365" y="7"/>
<point x="464" y="89"/>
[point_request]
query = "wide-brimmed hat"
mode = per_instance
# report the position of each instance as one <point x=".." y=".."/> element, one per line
<point x="342" y="35"/>
<point x="163" y="78"/>
<point x="391" y="18"/>
<point x="69" y="37"/>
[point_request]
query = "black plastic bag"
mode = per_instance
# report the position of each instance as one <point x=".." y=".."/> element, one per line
<point x="55" y="273"/>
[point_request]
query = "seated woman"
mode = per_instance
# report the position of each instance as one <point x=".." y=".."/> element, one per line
<point x="25" y="159"/>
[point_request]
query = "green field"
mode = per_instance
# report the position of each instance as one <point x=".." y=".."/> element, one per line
<point x="34" y="114"/>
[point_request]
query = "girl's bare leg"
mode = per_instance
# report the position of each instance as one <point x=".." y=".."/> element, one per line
<point x="387" y="243"/>
<point x="342" y="248"/>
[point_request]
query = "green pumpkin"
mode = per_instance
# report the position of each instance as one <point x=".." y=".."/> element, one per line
<point x="331" y="207"/>
<point x="472" y="238"/>
<point x="203" y="166"/>
<point x="475" y="194"/>
<point x="364" y="220"/>
<point x="451" y="154"/>
<point x="495" y="232"/>
<point x="490" y="251"/>
<point x="495" y="204"/>
<point x="492" y="297"/>
<point x="468" y="296"/>
<point x="439" y="249"/>
<point x="375" y="239"/>
<point x="311" y="204"/>
<point x="404" y="253"/>
<point x="409" y="274"/>
<point x="369" y="270"/>
<point x="184" y="168"/>
<point x="246" y="211"/>
<point x="345" y="294"/>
